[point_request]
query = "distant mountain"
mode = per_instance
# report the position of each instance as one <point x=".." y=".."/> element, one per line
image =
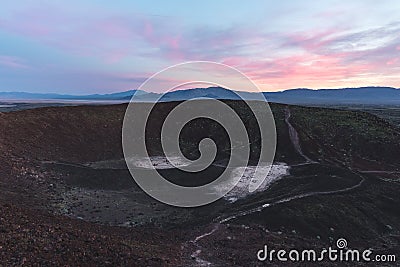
<point x="44" y="96"/>
<point x="301" y="96"/>
<point x="25" y="95"/>
<point x="361" y="95"/>
<point x="210" y="92"/>
<point x="112" y="96"/>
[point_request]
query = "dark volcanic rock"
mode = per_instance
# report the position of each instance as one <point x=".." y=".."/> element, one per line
<point x="349" y="190"/>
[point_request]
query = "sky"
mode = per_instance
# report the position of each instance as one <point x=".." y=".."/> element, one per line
<point x="84" y="47"/>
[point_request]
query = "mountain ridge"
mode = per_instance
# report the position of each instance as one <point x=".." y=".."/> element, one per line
<point x="350" y="95"/>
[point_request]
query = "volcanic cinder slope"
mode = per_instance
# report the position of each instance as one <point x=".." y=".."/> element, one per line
<point x="67" y="198"/>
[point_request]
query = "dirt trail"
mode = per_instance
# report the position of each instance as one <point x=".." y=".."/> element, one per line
<point x="294" y="137"/>
<point x="196" y="254"/>
<point x="285" y="200"/>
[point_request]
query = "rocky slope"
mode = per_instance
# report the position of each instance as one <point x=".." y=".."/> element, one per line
<point x="348" y="188"/>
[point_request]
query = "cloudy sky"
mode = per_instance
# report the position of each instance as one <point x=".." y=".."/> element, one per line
<point x="108" y="46"/>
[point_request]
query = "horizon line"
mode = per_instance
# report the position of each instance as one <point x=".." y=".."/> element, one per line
<point x="125" y="91"/>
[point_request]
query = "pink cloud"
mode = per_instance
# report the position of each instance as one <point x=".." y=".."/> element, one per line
<point x="281" y="59"/>
<point x="393" y="61"/>
<point x="148" y="29"/>
<point x="234" y="61"/>
<point x="312" y="41"/>
<point x="12" y="62"/>
<point x="106" y="37"/>
<point x="305" y="70"/>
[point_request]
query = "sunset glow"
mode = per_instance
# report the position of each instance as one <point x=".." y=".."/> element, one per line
<point x="100" y="46"/>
